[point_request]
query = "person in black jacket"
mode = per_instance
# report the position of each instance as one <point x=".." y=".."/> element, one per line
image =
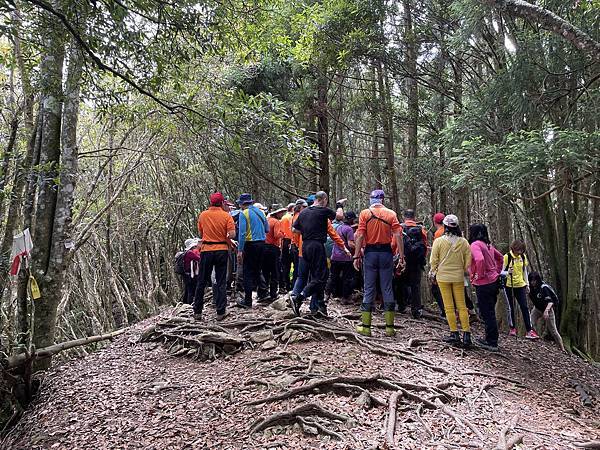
<point x="544" y="300"/>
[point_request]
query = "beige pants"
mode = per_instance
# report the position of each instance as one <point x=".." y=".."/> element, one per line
<point x="536" y="315"/>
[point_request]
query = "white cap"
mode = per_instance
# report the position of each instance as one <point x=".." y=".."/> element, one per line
<point x="451" y="221"/>
<point x="260" y="206"/>
<point x="190" y="243"/>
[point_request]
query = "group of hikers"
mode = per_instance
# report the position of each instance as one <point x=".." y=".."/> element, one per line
<point x="316" y="253"/>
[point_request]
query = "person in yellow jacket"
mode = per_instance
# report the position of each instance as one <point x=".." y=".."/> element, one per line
<point x="450" y="260"/>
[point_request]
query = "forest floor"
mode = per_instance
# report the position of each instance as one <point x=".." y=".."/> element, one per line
<point x="337" y="387"/>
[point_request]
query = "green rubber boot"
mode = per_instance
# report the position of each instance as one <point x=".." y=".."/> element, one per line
<point x="365" y="328"/>
<point x="389" y="323"/>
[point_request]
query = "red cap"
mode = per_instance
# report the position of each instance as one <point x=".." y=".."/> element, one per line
<point x="216" y="199"/>
<point x="439" y="217"/>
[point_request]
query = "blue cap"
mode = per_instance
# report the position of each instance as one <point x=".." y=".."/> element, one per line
<point x="377" y="193"/>
<point x="310" y="199"/>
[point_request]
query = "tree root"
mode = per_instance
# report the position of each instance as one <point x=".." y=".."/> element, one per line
<point x="499" y="377"/>
<point x="293" y="415"/>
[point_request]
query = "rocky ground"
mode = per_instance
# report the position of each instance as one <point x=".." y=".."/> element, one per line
<point x="263" y="380"/>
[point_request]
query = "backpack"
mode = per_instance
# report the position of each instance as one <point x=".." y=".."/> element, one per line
<point x="329" y="242"/>
<point x="414" y="247"/>
<point x="178" y="263"/>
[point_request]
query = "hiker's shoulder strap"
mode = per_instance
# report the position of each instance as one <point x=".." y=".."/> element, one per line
<point x="509" y="260"/>
<point x="376" y="217"/>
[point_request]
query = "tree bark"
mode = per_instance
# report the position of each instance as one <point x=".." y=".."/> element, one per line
<point x="412" y="94"/>
<point x="323" y="132"/>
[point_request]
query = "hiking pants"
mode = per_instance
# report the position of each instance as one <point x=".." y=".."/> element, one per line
<point x="253" y="264"/>
<point x="536" y="315"/>
<point x="410" y="290"/>
<point x="286" y="265"/>
<point x="520" y="294"/>
<point x="189" y="288"/>
<point x="341" y="279"/>
<point x="453" y="295"/>
<point x="315" y="258"/>
<point x="486" y="301"/>
<point x="437" y="295"/>
<point x="216" y="260"/>
<point x="271" y="272"/>
<point x="378" y="264"/>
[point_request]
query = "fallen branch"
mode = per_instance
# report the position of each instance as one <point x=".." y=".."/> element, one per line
<point x="590" y="444"/>
<point x="46" y="352"/>
<point x="459" y="419"/>
<point x="491" y="375"/>
<point x="391" y="423"/>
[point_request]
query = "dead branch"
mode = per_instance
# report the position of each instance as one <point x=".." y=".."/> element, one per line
<point x="17" y="360"/>
<point x="491" y="375"/>
<point x="459" y="418"/>
<point x="590" y="444"/>
<point x="391" y="423"/>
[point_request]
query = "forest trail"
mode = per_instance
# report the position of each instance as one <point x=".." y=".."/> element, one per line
<point x="134" y="394"/>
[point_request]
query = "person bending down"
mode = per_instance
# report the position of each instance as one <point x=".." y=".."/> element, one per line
<point x="544" y="301"/>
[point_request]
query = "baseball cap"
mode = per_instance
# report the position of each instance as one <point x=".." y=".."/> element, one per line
<point x="451" y="221"/>
<point x="216" y="199"/>
<point x="377" y="193"/>
<point x="438" y="217"/>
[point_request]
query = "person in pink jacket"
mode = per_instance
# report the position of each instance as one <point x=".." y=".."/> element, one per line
<point x="486" y="265"/>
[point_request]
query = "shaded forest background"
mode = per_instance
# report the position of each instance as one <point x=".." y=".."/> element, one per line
<point x="120" y="117"/>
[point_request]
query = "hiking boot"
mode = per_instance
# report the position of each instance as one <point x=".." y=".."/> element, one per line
<point x="531" y="334"/>
<point x="322" y="312"/>
<point x="512" y="332"/>
<point x="265" y="299"/>
<point x="243" y="304"/>
<point x="389" y="323"/>
<point x="365" y="327"/>
<point x="453" y="338"/>
<point x="417" y="314"/>
<point x="296" y="303"/>
<point x="222" y="316"/>
<point x="467" y="342"/>
<point x="198" y="317"/>
<point x="486" y="345"/>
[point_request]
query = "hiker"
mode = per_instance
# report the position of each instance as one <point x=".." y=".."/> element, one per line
<point x="314" y="224"/>
<point x="438" y="219"/>
<point x="296" y="239"/>
<point x="287" y="259"/>
<point x="189" y="265"/>
<point x="544" y="301"/>
<point x="450" y="260"/>
<point x="376" y="227"/>
<point x="517" y="287"/>
<point x="414" y="237"/>
<point x="253" y="226"/>
<point x="341" y="275"/>
<point x="486" y="265"/>
<point x="272" y="254"/>
<point x="216" y="229"/>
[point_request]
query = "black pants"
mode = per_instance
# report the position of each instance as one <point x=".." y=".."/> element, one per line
<point x="520" y="294"/>
<point x="271" y="266"/>
<point x="315" y="257"/>
<point x="409" y="287"/>
<point x="286" y="265"/>
<point x="189" y="288"/>
<point x="341" y="279"/>
<point x="218" y="260"/>
<point x="295" y="255"/>
<point x="486" y="300"/>
<point x="253" y="267"/>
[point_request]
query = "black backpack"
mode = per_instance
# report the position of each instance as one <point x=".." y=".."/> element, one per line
<point x="178" y="263"/>
<point x="414" y="247"/>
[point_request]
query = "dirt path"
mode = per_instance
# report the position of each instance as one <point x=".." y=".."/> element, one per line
<point x="134" y="395"/>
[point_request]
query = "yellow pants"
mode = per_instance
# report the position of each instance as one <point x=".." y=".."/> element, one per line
<point x="453" y="295"/>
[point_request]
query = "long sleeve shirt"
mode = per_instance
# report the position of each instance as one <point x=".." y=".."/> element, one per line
<point x="486" y="263"/>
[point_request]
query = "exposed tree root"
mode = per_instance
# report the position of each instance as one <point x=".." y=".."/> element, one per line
<point x="391" y="422"/>
<point x="460" y="419"/>
<point x="299" y="415"/>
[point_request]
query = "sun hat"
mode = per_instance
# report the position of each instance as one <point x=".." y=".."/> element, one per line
<point x="190" y="243"/>
<point x="245" y="199"/>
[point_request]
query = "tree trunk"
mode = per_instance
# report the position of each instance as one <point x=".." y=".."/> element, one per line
<point x="323" y="132"/>
<point x="412" y="94"/>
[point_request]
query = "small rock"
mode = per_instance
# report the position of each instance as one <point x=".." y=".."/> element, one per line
<point x="261" y="336"/>
<point x="279" y="304"/>
<point x="269" y="345"/>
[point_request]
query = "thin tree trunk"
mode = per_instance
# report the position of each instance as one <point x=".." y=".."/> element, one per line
<point x="323" y="132"/>
<point x="412" y="94"/>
